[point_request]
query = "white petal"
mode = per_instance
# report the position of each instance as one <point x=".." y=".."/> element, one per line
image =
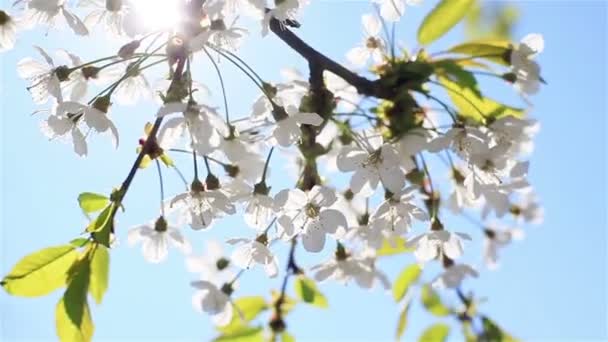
<point x="313" y="240"/>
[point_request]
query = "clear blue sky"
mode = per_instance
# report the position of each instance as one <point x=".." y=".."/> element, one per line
<point x="551" y="286"/>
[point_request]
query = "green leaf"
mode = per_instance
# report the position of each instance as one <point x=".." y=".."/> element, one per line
<point x="248" y="334"/>
<point x="67" y="331"/>
<point x="393" y="247"/>
<point x="246" y="309"/>
<point x="40" y="273"/>
<point x="432" y="302"/>
<point x="287" y="337"/>
<point x="441" y="19"/>
<point x="75" y="296"/>
<point x="402" y="322"/>
<point x="435" y="333"/>
<point x="457" y="74"/>
<point x="79" y="242"/>
<point x="497" y="51"/>
<point x="100" y="271"/>
<point x="407" y="277"/>
<point x="492" y="332"/>
<point x="72" y="315"/>
<point x="307" y="291"/>
<point x="102" y="226"/>
<point x="102" y="220"/>
<point x="471" y="106"/>
<point x="90" y="202"/>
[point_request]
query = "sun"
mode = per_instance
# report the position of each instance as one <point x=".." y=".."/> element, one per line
<point x="157" y="14"/>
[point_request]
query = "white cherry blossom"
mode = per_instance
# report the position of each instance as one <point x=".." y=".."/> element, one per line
<point x="252" y="252"/>
<point x="372" y="46"/>
<point x="156" y="237"/>
<point x="213" y="300"/>
<point x="372" y="162"/>
<point x="308" y="215"/>
<point x="452" y="276"/>
<point x="8" y="31"/>
<point x="431" y="245"/>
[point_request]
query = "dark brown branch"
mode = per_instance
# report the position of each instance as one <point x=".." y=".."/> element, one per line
<point x="363" y="85"/>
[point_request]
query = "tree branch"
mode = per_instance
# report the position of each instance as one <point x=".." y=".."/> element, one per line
<point x="363" y="85"/>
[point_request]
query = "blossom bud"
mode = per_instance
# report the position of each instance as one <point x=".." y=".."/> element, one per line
<point x="277" y="324"/>
<point x="222" y="263"/>
<point x="90" y="72"/>
<point x="63" y="73"/>
<point x="127" y="50"/>
<point x="436" y="225"/>
<point x="197" y="186"/>
<point x="102" y="103"/>
<point x="212" y="182"/>
<point x="509" y="77"/>
<point x="227" y="289"/>
<point x="160" y="225"/>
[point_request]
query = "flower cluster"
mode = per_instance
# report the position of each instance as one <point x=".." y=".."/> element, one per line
<point x="392" y="149"/>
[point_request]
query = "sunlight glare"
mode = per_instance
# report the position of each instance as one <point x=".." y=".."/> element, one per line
<point x="157" y="14"/>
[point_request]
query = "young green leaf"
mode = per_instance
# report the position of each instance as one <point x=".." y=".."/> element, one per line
<point x="248" y="334"/>
<point x="102" y="219"/>
<point x="441" y="19"/>
<point x="435" y="333"/>
<point x="287" y="337"/>
<point x="406" y="278"/>
<point x="40" y="273"/>
<point x="402" y="322"/>
<point x="471" y="106"/>
<point x="90" y="202"/>
<point x="67" y="331"/>
<point x="432" y="302"/>
<point x="307" y="291"/>
<point x="100" y="271"/>
<point x="393" y="247"/>
<point x="492" y="332"/>
<point x="75" y="296"/>
<point x="497" y="51"/>
<point x="245" y="310"/>
<point x="72" y="315"/>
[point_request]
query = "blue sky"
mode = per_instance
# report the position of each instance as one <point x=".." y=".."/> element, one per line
<point x="551" y="286"/>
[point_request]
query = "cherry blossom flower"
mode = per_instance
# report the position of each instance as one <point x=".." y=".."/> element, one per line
<point x="200" y="206"/>
<point x="213" y="300"/>
<point x="94" y="116"/>
<point x="308" y="214"/>
<point x="373" y="162"/>
<point x="109" y="13"/>
<point x="44" y="78"/>
<point x="251" y="252"/>
<point x="394" y="216"/>
<point x="284" y="10"/>
<point x="526" y="70"/>
<point x="156" y="237"/>
<point x="46" y="12"/>
<point x="464" y="141"/>
<point x="431" y="245"/>
<point x="452" y="276"/>
<point x="287" y="130"/>
<point x="392" y="10"/>
<point x="132" y="88"/>
<point x="372" y="46"/>
<point x="514" y="135"/>
<point x="495" y="239"/>
<point x="213" y="265"/>
<point x="8" y="31"/>
<point x="200" y="122"/>
<point x="65" y="126"/>
<point x="344" y="268"/>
